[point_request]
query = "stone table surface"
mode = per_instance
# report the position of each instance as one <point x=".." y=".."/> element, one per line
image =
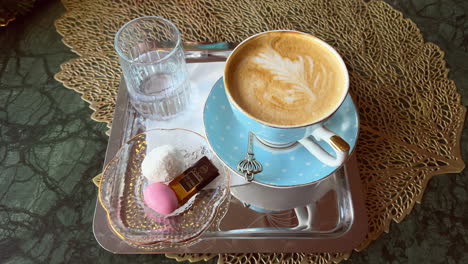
<point x="50" y="149"/>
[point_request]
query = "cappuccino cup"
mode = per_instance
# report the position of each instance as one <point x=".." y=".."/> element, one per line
<point x="283" y="85"/>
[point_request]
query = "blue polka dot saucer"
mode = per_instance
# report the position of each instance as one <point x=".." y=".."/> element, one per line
<point x="281" y="169"/>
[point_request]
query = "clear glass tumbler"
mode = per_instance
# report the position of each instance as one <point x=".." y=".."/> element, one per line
<point x="154" y="68"/>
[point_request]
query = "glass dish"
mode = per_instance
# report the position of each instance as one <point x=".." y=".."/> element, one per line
<point x="120" y="191"/>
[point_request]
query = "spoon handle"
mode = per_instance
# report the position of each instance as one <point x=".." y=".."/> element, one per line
<point x="249" y="166"/>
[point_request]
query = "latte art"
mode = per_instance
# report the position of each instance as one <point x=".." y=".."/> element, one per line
<point x="289" y="72"/>
<point x="285" y="78"/>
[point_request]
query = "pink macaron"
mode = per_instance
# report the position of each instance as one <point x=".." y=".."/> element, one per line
<point x="159" y="197"/>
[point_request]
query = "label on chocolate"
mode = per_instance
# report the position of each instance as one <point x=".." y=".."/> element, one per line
<point x="199" y="175"/>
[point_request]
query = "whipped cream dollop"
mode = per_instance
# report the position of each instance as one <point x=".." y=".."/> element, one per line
<point x="162" y="164"/>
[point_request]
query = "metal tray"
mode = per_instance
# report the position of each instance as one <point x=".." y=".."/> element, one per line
<point x="339" y="221"/>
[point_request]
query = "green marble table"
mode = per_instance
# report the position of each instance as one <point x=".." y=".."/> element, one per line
<point x="50" y="149"/>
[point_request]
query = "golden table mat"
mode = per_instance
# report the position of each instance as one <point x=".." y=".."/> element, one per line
<point x="411" y="114"/>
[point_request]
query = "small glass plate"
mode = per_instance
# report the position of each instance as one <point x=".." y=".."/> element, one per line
<point x="121" y="191"/>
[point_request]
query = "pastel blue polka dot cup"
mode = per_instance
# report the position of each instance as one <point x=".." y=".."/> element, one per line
<point x="283" y="86"/>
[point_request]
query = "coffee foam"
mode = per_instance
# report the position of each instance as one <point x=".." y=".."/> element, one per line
<point x="285" y="78"/>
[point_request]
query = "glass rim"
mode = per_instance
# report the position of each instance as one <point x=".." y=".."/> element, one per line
<point x="119" y="50"/>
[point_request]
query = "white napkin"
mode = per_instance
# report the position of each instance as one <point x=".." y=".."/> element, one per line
<point x="202" y="78"/>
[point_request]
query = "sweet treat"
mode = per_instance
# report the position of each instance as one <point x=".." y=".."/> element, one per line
<point x="193" y="179"/>
<point x="162" y="164"/>
<point x="165" y="199"/>
<point x="161" y="198"/>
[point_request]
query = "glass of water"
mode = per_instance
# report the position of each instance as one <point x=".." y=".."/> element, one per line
<point x="153" y="64"/>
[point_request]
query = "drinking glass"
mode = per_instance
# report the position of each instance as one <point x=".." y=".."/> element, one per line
<point x="153" y="65"/>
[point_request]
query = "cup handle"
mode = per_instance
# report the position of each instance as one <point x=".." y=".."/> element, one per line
<point x="340" y="146"/>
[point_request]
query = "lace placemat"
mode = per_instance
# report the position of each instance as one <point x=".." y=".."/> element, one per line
<point x="411" y="114"/>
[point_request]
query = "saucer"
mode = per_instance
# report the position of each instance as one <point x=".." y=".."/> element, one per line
<point x="281" y="169"/>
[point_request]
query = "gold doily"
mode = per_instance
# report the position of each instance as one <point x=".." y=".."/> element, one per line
<point x="411" y="115"/>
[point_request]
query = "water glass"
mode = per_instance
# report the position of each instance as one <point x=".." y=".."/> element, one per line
<point x="153" y="64"/>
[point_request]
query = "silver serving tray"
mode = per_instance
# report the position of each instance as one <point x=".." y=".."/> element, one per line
<point x="339" y="222"/>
